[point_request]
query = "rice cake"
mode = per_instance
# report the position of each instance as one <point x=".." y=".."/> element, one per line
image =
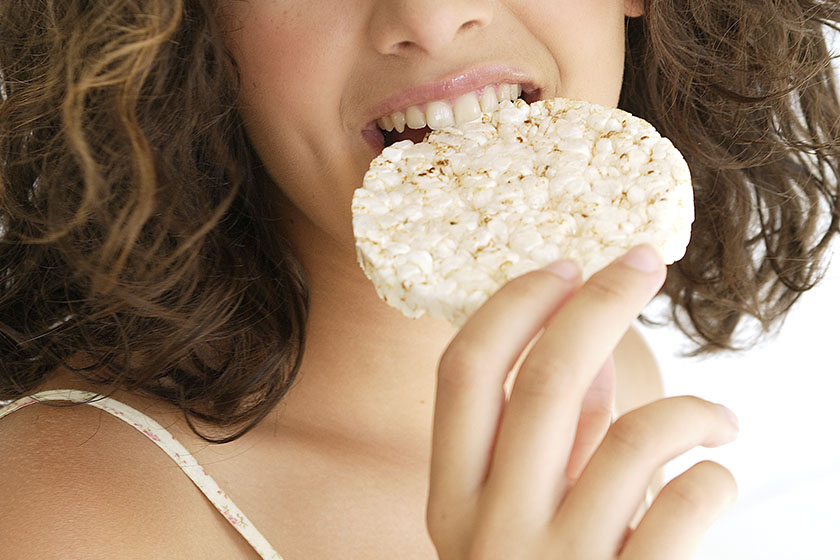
<point x="442" y="224"/>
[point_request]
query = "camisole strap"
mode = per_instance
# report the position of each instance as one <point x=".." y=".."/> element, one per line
<point x="167" y="442"/>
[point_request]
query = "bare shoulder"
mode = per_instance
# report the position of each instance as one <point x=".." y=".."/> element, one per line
<point x="638" y="378"/>
<point x="75" y="481"/>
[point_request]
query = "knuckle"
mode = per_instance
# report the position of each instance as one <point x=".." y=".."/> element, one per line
<point x="603" y="290"/>
<point x="633" y="433"/>
<point x="689" y="494"/>
<point x="706" y="486"/>
<point x="546" y="379"/>
<point x="460" y="365"/>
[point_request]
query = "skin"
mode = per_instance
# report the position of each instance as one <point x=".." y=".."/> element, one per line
<point x="305" y="100"/>
<point x="347" y="465"/>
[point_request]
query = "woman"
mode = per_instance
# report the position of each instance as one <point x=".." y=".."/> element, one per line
<point x="177" y="181"/>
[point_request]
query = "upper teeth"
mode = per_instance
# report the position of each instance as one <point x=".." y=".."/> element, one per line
<point x="440" y="114"/>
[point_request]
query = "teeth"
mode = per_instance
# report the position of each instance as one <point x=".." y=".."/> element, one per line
<point x="467" y="108"/>
<point x="415" y="118"/>
<point x="385" y="123"/>
<point x="489" y="100"/>
<point x="398" y="119"/>
<point x="504" y="93"/>
<point x="440" y="114"/>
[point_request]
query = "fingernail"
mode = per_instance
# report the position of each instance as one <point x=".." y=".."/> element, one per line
<point x="643" y="258"/>
<point x="567" y="270"/>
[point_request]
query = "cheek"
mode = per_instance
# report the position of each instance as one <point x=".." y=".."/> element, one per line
<point x="280" y="35"/>
<point x="586" y="40"/>
<point x="280" y="55"/>
<point x="291" y="78"/>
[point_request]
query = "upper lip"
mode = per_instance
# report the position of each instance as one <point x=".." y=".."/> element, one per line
<point x="454" y="85"/>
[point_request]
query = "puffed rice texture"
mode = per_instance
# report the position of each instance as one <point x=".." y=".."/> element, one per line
<point x="442" y="224"/>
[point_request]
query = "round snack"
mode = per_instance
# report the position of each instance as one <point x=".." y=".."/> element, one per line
<point x="441" y="225"/>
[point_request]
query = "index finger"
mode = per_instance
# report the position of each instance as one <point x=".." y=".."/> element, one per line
<point x="470" y="392"/>
<point x="537" y="431"/>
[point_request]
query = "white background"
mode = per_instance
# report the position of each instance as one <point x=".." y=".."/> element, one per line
<point x="787" y="457"/>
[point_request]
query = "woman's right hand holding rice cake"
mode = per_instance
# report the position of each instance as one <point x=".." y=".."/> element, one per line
<point x="498" y="488"/>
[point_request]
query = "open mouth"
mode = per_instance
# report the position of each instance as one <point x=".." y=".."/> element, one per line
<point x="415" y="122"/>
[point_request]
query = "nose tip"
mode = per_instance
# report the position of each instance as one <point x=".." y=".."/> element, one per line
<point x="430" y="26"/>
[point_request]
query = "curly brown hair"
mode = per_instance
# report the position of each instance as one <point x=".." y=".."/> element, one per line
<point x="746" y="91"/>
<point x="131" y="203"/>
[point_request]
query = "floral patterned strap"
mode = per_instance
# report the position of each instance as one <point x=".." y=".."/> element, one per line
<point x="166" y="441"/>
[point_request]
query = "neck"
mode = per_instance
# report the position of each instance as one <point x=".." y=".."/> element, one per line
<point x="368" y="373"/>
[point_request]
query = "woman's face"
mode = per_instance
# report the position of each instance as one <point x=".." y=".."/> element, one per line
<point x="318" y="74"/>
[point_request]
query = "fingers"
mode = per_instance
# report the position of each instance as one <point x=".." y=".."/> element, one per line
<point x="470" y="392"/>
<point x="536" y="433"/>
<point x="616" y="477"/>
<point x="497" y="479"/>
<point x="682" y="513"/>
<point x="596" y="415"/>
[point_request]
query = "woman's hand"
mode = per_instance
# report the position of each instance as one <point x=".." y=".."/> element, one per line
<point x="502" y="485"/>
